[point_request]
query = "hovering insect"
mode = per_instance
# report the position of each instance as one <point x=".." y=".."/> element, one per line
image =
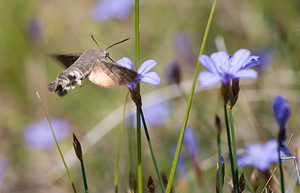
<point x="93" y="64"/>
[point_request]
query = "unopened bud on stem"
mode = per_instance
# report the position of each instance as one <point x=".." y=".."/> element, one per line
<point x="77" y="147"/>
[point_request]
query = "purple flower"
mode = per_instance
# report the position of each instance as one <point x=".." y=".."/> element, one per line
<point x="173" y="73"/>
<point x="180" y="168"/>
<point x="34" y="29"/>
<point x="265" y="58"/>
<point x="260" y="155"/>
<point x="39" y="136"/>
<point x="157" y="114"/>
<point x="222" y="67"/>
<point x="281" y="110"/>
<point x="107" y="9"/>
<point x="3" y="167"/>
<point x="190" y="142"/>
<point x="143" y="71"/>
<point x="184" y="48"/>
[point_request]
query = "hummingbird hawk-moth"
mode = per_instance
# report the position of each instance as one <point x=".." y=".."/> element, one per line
<point x="93" y="64"/>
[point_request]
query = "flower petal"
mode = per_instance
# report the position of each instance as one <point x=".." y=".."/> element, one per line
<point x="239" y="59"/>
<point x="281" y="109"/>
<point x="221" y="60"/>
<point x="151" y="78"/>
<point x="243" y="161"/>
<point x="207" y="63"/>
<point x="251" y="61"/>
<point x="247" y="73"/>
<point x="125" y="62"/>
<point x="263" y="165"/>
<point x="146" y="66"/>
<point x="207" y="79"/>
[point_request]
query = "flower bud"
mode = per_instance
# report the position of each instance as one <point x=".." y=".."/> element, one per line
<point x="225" y="91"/>
<point x="218" y="124"/>
<point x="223" y="174"/>
<point x="136" y="97"/>
<point x="255" y="179"/>
<point x="174" y="73"/>
<point x="150" y="185"/>
<point x="242" y="183"/>
<point x="77" y="147"/>
<point x="234" y="93"/>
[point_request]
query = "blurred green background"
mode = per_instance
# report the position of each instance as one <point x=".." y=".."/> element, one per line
<point x="66" y="26"/>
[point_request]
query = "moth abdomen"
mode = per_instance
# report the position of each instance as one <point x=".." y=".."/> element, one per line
<point x="66" y="80"/>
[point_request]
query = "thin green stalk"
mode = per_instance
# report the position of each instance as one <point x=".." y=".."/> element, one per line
<point x="138" y="121"/>
<point x="137" y="33"/>
<point x="281" y="171"/>
<point x="230" y="149"/>
<point x="152" y="153"/>
<point x="84" y="177"/>
<point x="139" y="150"/>
<point x="188" y="108"/>
<point x="234" y="148"/>
<point x="119" y="148"/>
<point x="57" y="145"/>
<point x="220" y="175"/>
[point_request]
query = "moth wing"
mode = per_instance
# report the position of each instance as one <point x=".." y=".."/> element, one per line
<point x="67" y="59"/>
<point x="109" y="74"/>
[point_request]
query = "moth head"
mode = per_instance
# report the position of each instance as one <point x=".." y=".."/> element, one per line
<point x="106" y="53"/>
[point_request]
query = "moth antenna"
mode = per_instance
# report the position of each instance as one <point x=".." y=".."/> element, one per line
<point x="111" y="59"/>
<point x="117" y="43"/>
<point x="95" y="40"/>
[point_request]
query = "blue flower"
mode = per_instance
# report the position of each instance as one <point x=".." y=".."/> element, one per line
<point x="190" y="142"/>
<point x="107" y="9"/>
<point x="4" y="162"/>
<point x="143" y="71"/>
<point x="155" y="115"/>
<point x="184" y="48"/>
<point x="266" y="56"/>
<point x="222" y="67"/>
<point x="281" y="109"/>
<point x="260" y="156"/>
<point x="174" y="73"/>
<point x="39" y="136"/>
<point x="34" y="30"/>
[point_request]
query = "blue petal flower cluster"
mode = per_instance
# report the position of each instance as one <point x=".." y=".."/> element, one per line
<point x="143" y="71"/>
<point x="223" y="67"/>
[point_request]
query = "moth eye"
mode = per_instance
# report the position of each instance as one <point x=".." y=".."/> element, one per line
<point x="106" y="54"/>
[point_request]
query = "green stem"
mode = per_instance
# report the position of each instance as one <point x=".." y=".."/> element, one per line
<point x="137" y="33"/>
<point x="220" y="175"/>
<point x="84" y="177"/>
<point x="281" y="170"/>
<point x="138" y="121"/>
<point x="229" y="148"/>
<point x="152" y="153"/>
<point x="57" y="145"/>
<point x="234" y="148"/>
<point x="188" y="108"/>
<point x="139" y="150"/>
